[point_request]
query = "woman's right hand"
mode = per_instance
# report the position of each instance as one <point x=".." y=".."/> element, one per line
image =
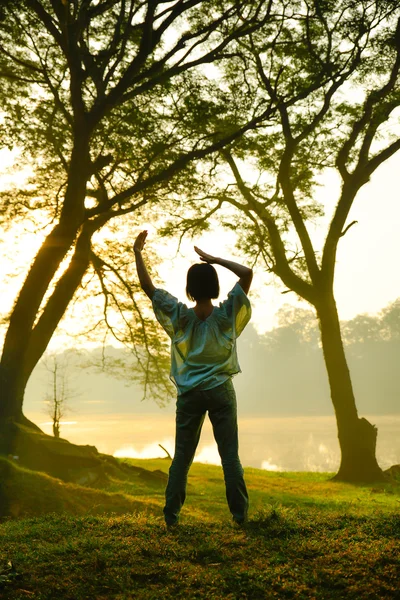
<point x="140" y="241"/>
<point x="206" y="257"/>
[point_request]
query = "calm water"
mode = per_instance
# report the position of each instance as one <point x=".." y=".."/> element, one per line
<point x="281" y="444"/>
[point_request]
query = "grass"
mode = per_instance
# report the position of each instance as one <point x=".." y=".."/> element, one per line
<point x="307" y="537"/>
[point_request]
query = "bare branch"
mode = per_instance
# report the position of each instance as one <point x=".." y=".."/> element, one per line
<point x="368" y="120"/>
<point x="347" y="228"/>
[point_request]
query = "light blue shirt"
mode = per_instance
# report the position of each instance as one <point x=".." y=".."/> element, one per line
<point x="203" y="353"/>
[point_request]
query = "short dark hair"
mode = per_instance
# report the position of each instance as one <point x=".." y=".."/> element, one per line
<point x="202" y="282"/>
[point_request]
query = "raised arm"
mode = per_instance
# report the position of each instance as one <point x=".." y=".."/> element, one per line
<point x="144" y="277"/>
<point x="245" y="274"/>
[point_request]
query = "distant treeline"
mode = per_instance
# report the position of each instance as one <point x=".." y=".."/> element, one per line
<point x="285" y="372"/>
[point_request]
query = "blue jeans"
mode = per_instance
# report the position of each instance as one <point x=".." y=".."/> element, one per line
<point x="191" y="408"/>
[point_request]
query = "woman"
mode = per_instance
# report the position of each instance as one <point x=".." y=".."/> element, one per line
<point x="203" y="361"/>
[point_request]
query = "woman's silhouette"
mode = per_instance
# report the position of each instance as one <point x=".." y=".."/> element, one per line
<point x="203" y="361"/>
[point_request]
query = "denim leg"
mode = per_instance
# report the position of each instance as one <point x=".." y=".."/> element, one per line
<point x="189" y="421"/>
<point x="223" y="416"/>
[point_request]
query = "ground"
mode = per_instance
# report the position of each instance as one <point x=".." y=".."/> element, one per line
<point x="307" y="537"/>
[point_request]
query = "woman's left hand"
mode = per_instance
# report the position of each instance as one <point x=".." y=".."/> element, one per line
<point x="206" y="257"/>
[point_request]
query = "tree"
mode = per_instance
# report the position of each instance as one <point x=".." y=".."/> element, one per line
<point x="96" y="97"/>
<point x="329" y="74"/>
<point x="60" y="391"/>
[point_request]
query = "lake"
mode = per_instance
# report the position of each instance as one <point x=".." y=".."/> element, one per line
<point x="272" y="443"/>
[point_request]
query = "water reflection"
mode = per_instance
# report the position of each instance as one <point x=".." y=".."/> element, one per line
<point x="274" y="444"/>
<point x="153" y="450"/>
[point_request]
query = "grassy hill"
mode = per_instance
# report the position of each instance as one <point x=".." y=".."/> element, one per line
<point x="307" y="537"/>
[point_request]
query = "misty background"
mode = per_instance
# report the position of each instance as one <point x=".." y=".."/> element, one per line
<point x="283" y="372"/>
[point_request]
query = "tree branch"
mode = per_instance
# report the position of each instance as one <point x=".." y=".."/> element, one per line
<point x="368" y="119"/>
<point x="178" y="165"/>
<point x="156" y="74"/>
<point x="282" y="267"/>
<point x="99" y="264"/>
<point x="347" y="228"/>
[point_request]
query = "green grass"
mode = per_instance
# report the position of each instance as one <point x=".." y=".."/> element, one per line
<point x="307" y="537"/>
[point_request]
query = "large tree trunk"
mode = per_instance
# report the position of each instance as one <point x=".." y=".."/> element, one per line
<point x="15" y="379"/>
<point x="357" y="437"/>
<point x="13" y="372"/>
<point x="22" y="320"/>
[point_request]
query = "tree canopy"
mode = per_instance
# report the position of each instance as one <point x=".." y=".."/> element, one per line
<point x="103" y="101"/>
<point x="327" y="77"/>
